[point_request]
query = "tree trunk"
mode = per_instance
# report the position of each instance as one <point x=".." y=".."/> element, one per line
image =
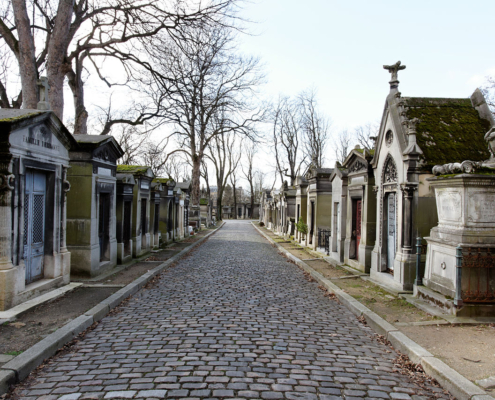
<point x="77" y="86"/>
<point x="26" y="56"/>
<point x="219" y="205"/>
<point x="55" y="67"/>
<point x="196" y="174"/>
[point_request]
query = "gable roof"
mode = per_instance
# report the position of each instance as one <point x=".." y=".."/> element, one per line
<point x="437" y="130"/>
<point x="448" y="130"/>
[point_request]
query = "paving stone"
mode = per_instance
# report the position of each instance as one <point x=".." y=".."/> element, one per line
<point x="234" y="319"/>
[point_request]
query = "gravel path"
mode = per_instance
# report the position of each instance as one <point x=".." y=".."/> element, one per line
<point x="232" y="320"/>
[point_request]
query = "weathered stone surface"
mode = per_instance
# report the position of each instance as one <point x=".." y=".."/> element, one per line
<point x="233" y="320"/>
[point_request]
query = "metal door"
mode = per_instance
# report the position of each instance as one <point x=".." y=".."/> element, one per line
<point x="127" y="226"/>
<point x="34" y="225"/>
<point x="391" y="231"/>
<point x="358" y="227"/>
<point x="104" y="225"/>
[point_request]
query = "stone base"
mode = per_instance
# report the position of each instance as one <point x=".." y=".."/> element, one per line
<point x="404" y="270"/>
<point x="14" y="291"/>
<point x="446" y="304"/>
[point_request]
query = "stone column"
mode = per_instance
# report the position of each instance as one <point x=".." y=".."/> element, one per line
<point x="408" y="194"/>
<point x="7" y="271"/>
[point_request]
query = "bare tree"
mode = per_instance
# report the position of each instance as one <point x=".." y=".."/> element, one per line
<point x="342" y="145"/>
<point x="206" y="79"/>
<point x="222" y="154"/>
<point x="131" y="140"/>
<point x="249" y="172"/>
<point x="177" y="168"/>
<point x="71" y="33"/>
<point x="365" y="135"/>
<point x="287" y="132"/>
<point x="315" y="128"/>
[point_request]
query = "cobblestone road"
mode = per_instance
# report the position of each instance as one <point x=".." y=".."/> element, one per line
<point x="232" y="320"/>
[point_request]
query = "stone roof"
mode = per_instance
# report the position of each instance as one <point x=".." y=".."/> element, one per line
<point x="13" y="114"/>
<point x="183" y="185"/>
<point x="448" y="130"/>
<point x="133" y="169"/>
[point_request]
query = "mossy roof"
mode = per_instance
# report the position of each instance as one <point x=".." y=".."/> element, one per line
<point x="13" y="115"/>
<point x="133" y="169"/>
<point x="203" y="202"/>
<point x="448" y="130"/>
<point x="162" y="180"/>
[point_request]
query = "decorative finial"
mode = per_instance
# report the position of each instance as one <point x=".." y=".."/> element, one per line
<point x="394" y="69"/>
<point x="43" y="104"/>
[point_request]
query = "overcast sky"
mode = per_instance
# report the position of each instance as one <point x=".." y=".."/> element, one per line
<point x="340" y="47"/>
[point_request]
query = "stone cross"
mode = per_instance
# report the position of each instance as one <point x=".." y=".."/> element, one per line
<point x="394" y="69"/>
<point x="43" y="89"/>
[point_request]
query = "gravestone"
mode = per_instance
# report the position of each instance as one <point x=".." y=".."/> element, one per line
<point x="167" y="209"/>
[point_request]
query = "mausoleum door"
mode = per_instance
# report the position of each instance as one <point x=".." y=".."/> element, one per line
<point x="104" y="225"/>
<point x="358" y="226"/>
<point x="34" y="224"/>
<point x="391" y="230"/>
<point x="127" y="226"/>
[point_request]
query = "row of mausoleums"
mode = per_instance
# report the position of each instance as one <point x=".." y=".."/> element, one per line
<point x="368" y="211"/>
<point x="67" y="208"/>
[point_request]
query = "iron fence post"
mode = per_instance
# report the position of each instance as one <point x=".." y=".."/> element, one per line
<point x="419" y="280"/>
<point x="458" y="288"/>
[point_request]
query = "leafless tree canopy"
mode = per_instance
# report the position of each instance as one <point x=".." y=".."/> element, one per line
<point x="342" y="145"/>
<point x="208" y="90"/>
<point x="63" y="37"/>
<point x="365" y="134"/>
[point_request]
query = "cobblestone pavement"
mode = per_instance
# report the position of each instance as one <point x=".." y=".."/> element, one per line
<point x="233" y="320"/>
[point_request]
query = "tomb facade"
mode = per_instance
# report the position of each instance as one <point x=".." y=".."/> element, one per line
<point x="91" y="205"/>
<point x="34" y="257"/>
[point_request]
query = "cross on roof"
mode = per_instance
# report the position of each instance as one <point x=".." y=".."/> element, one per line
<point x="394" y="69"/>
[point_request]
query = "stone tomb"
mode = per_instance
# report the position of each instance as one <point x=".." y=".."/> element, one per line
<point x="360" y="228"/>
<point x="155" y="199"/>
<point x="91" y="204"/>
<point x="301" y="206"/>
<point x="34" y="257"/>
<point x="466" y="214"/>
<point x="167" y="209"/>
<point x="339" y="207"/>
<point x="183" y="190"/>
<point x="319" y="203"/>
<point x="415" y="134"/>
<point x="125" y="198"/>
<point x="140" y="236"/>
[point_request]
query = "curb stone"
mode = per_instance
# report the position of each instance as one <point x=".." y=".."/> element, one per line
<point x="21" y="366"/>
<point x="461" y="387"/>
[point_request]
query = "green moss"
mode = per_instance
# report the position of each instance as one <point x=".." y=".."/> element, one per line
<point x="133" y="169"/>
<point x="162" y="180"/>
<point x="20" y="117"/>
<point x="203" y="202"/>
<point x="449" y="130"/>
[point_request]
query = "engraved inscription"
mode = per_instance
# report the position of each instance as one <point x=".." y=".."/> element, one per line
<point x="449" y="206"/>
<point x="481" y="207"/>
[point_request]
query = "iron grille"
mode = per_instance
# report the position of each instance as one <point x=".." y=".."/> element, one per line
<point x="26" y="219"/>
<point x="38" y="218"/>
<point x="478" y="275"/>
<point x="324" y="239"/>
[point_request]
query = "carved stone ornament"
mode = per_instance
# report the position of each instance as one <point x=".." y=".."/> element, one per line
<point x="389" y="138"/>
<point x="390" y="174"/>
<point x="357" y="166"/>
<point x="408" y="189"/>
<point x="104" y="154"/>
<point x="376" y="189"/>
<point x="66" y="186"/>
<point x="451" y="168"/>
<point x="7" y="182"/>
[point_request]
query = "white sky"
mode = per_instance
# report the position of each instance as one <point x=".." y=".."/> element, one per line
<point x="340" y="47"/>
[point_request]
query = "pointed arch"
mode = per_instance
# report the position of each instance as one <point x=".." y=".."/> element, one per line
<point x="389" y="171"/>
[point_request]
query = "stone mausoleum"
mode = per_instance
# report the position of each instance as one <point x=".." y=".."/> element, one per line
<point x="34" y="153"/>
<point x="91" y="205"/>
